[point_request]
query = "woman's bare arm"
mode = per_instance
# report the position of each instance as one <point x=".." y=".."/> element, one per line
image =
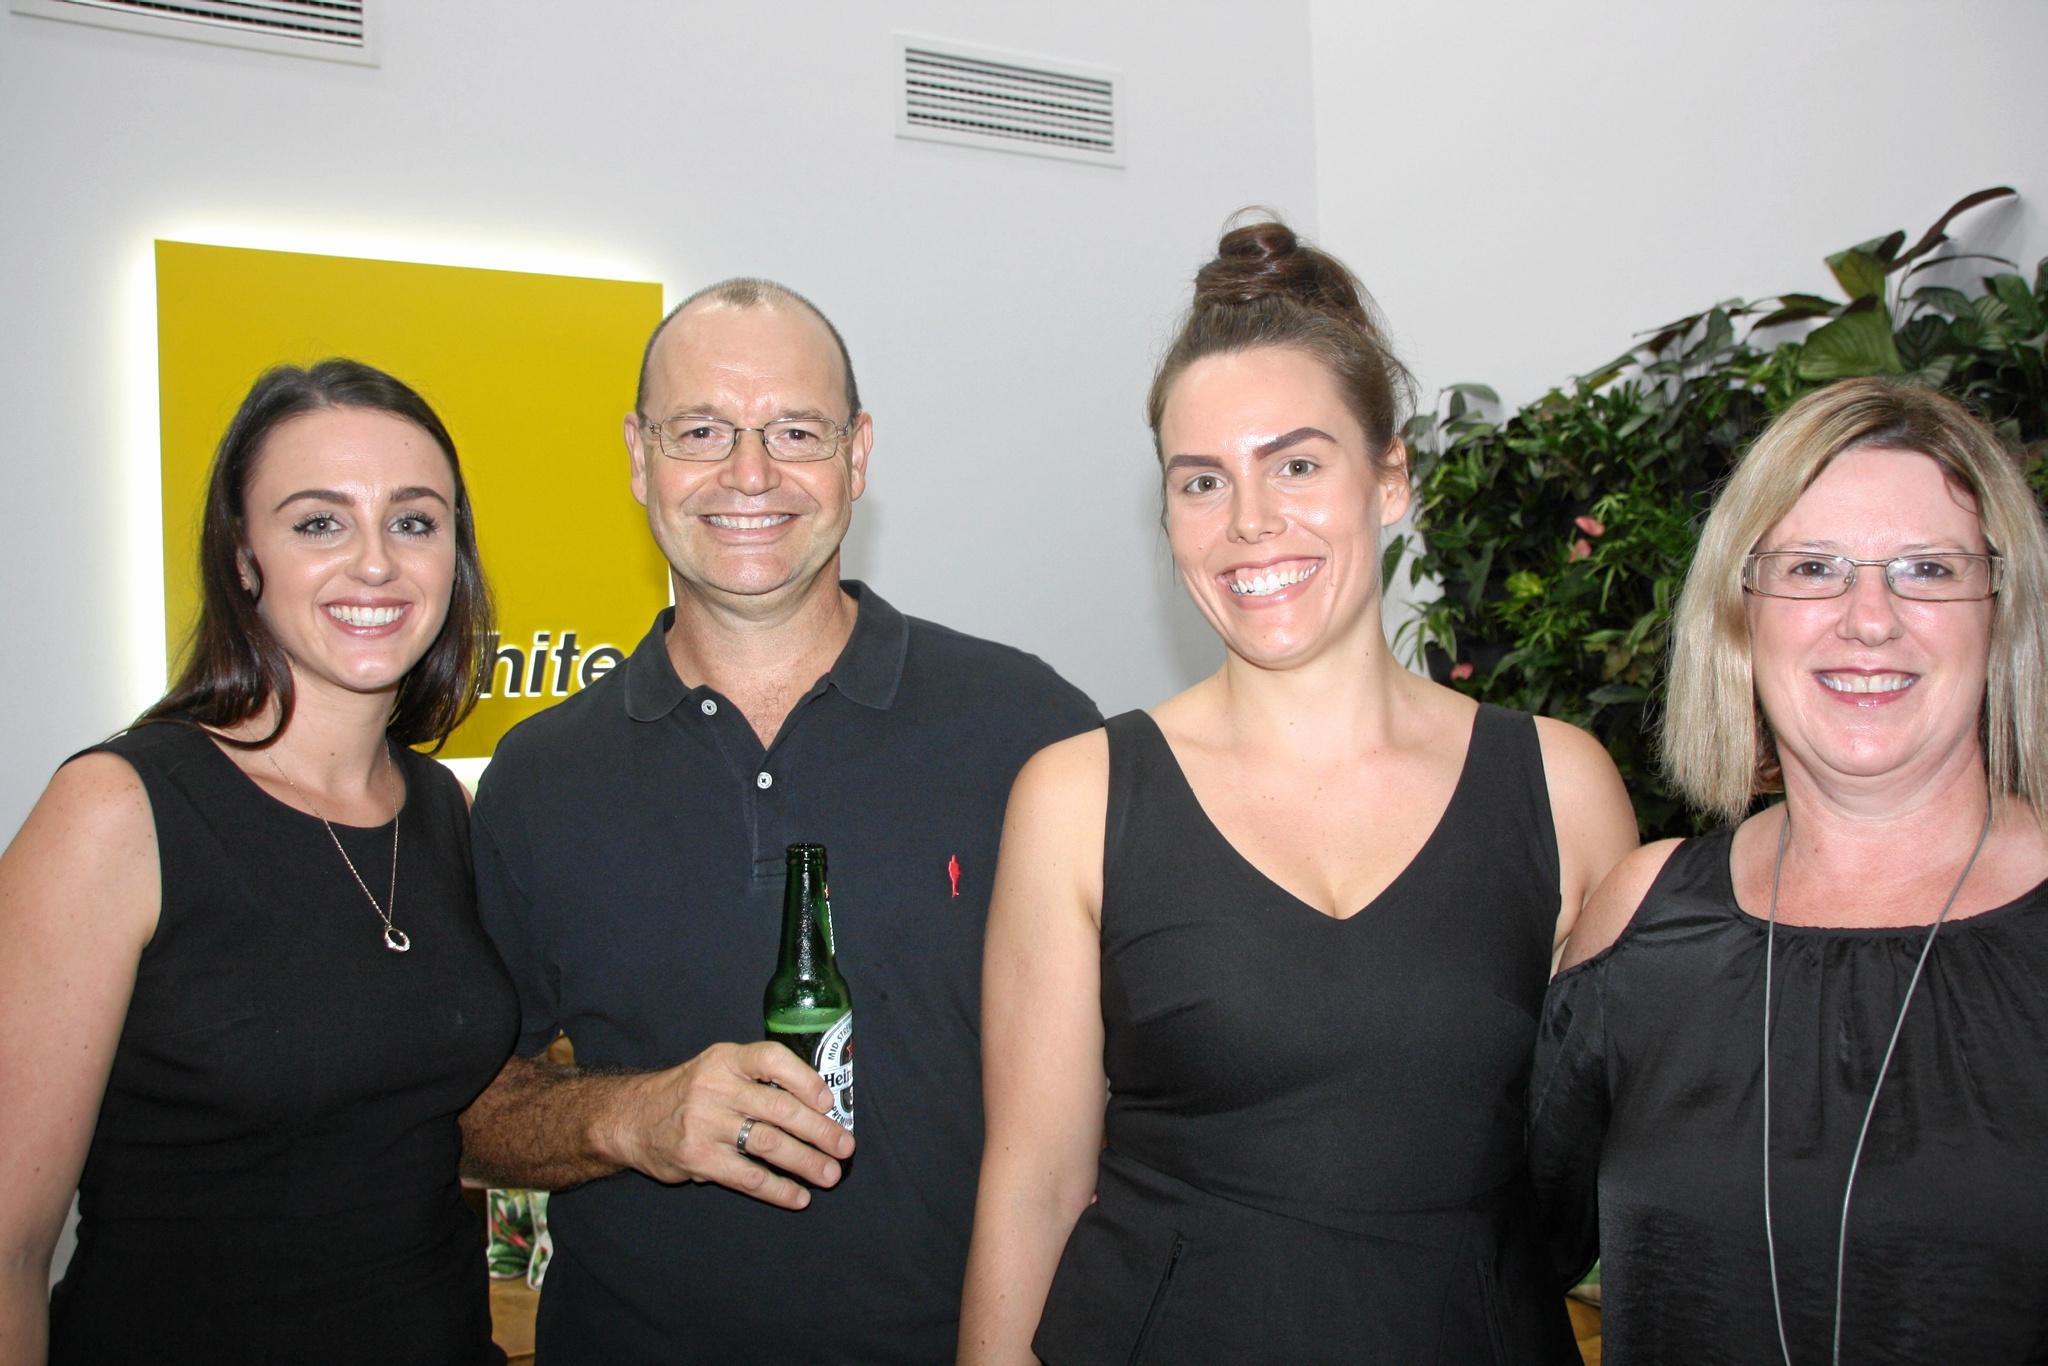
<point x="1596" y="825"/>
<point x="1042" y="1078"/>
<point x="79" y="896"/>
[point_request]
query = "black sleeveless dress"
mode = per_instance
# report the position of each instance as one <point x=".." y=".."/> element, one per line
<point x="272" y="1176"/>
<point x="1647" y="1137"/>
<point x="1315" y="1125"/>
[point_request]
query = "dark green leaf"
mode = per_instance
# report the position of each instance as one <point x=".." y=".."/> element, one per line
<point x="1857" y="343"/>
<point x="1946" y="301"/>
<point x="1715" y="337"/>
<point x="1860" y="274"/>
<point x="1794" y="308"/>
<point x="1608" y="694"/>
<point x="2019" y="301"/>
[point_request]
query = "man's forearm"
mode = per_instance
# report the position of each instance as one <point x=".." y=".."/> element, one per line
<point x="539" y="1126"/>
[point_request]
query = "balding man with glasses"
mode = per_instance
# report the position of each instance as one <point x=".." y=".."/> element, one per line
<point x="629" y="858"/>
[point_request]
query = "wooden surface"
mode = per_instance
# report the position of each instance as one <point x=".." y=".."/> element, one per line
<point x="1586" y="1328"/>
<point x="512" y="1306"/>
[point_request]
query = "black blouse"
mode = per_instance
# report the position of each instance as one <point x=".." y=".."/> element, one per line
<point x="1647" y="1131"/>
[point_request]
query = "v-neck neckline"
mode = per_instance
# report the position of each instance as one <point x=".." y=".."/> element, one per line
<point x="1422" y="853"/>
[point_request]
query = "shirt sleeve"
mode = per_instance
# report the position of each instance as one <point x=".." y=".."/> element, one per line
<point x="507" y="913"/>
<point x="1568" y="1114"/>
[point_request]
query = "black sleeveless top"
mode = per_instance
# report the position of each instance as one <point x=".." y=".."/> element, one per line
<point x="272" y="1176"/>
<point x="1315" y="1125"/>
<point x="1647" y="1138"/>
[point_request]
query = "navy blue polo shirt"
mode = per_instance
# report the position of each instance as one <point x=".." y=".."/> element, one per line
<point x="629" y="858"/>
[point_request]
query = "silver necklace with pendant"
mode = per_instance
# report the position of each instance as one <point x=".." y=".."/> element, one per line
<point x="395" y="939"/>
<point x="1855" y="1158"/>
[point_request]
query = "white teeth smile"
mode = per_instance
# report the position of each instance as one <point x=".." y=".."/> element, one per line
<point x="1260" y="583"/>
<point x="1866" y="682"/>
<point x="364" y="616"/>
<point x="732" y="523"/>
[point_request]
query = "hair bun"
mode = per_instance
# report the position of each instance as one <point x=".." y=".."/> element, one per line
<point x="1264" y="259"/>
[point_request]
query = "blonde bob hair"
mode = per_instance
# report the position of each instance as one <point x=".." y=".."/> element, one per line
<point x="1716" y="744"/>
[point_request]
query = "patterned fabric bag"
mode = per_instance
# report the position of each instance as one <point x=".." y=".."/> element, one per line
<point x="520" y="1242"/>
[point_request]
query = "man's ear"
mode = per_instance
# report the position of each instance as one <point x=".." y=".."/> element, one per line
<point x="860" y="441"/>
<point x="637" y="440"/>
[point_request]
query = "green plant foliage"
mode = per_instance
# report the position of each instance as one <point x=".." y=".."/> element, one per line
<point x="1560" y="534"/>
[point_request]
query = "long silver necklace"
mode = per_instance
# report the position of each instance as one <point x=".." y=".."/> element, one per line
<point x="395" y="939"/>
<point x="1855" y="1158"/>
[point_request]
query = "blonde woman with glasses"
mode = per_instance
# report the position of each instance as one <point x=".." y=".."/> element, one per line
<point x="1790" y="1086"/>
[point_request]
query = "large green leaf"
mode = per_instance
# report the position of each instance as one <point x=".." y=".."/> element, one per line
<point x="1860" y="274"/>
<point x="1857" y="343"/>
<point x="1946" y="301"/>
<point x="2019" y="301"/>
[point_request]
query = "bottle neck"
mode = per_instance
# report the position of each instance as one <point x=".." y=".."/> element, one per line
<point x="806" y="917"/>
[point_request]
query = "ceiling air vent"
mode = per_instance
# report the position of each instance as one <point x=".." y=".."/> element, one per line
<point x="1008" y="101"/>
<point x="337" y="30"/>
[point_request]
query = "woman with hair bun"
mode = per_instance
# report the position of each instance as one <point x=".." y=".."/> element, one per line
<point x="1295" y="922"/>
<point x="243" y="987"/>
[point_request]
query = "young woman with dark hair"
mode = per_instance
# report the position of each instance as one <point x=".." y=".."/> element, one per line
<point x="1294" y="923"/>
<point x="240" y="967"/>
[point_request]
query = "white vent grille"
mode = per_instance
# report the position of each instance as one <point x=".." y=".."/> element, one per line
<point x="1006" y="101"/>
<point x="338" y="30"/>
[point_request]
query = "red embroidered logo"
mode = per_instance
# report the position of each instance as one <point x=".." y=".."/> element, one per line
<point x="953" y="872"/>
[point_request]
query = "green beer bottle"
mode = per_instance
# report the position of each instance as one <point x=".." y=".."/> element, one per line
<point x="807" y="1007"/>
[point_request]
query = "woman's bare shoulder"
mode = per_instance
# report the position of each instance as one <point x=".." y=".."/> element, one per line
<point x="1079" y="761"/>
<point x="96" y="801"/>
<point x="1613" y="904"/>
<point x="83" y="869"/>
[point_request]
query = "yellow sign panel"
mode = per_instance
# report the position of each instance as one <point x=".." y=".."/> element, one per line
<point x="530" y="373"/>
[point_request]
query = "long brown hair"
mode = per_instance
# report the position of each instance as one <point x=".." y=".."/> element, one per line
<point x="233" y="665"/>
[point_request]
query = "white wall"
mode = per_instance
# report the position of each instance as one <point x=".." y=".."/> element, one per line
<point x="1003" y="311"/>
<point x="1526" y="187"/>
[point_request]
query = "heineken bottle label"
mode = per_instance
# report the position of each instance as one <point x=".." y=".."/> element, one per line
<point x="834" y="1062"/>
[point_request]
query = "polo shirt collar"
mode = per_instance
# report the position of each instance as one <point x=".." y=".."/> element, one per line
<point x="868" y="671"/>
<point x="870" y="668"/>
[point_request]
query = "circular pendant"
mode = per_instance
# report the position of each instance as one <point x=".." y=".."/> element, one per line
<point x="396" y="939"/>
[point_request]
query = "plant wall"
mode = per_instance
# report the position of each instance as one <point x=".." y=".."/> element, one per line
<point x="1561" y="533"/>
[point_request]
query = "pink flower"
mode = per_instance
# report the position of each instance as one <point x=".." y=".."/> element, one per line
<point x="1581" y="548"/>
<point x="1592" y="526"/>
<point x="1461" y="671"/>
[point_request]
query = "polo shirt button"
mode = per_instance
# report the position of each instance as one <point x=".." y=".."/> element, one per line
<point x="763" y="780"/>
<point x="708" y="707"/>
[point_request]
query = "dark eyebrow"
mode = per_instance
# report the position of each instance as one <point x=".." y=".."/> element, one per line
<point x="411" y="494"/>
<point x="1293" y="438"/>
<point x="1259" y="452"/>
